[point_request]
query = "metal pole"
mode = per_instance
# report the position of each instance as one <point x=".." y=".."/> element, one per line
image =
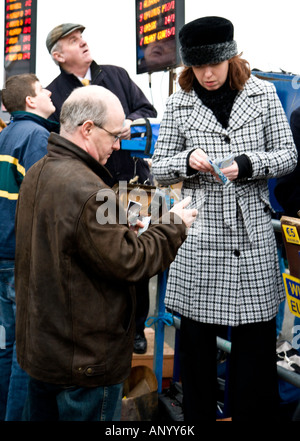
<point x="276" y="225"/>
<point x="286" y="375"/>
<point x="160" y="330"/>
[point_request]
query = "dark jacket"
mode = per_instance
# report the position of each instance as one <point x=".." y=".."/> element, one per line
<point x="113" y="78"/>
<point x="22" y="143"/>
<point x="74" y="276"/>
<point x="135" y="105"/>
<point x="287" y="190"/>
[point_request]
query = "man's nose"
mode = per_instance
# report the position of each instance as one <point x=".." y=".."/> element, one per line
<point x="117" y="145"/>
<point x="48" y="92"/>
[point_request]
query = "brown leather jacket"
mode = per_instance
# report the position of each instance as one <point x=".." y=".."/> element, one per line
<point x="74" y="277"/>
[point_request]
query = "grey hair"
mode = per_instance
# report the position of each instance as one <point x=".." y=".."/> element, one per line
<point x="78" y="109"/>
<point x="56" y="48"/>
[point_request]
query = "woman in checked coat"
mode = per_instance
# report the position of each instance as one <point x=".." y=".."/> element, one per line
<point x="226" y="275"/>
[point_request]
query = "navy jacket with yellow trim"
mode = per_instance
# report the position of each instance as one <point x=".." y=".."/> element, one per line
<point x="22" y="143"/>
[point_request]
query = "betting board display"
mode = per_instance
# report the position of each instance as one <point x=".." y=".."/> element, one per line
<point x="20" y="37"/>
<point x="157" y="26"/>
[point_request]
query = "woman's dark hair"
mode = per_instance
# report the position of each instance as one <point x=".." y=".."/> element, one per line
<point x="239" y="72"/>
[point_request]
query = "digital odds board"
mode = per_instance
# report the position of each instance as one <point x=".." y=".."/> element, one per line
<point x="158" y="23"/>
<point x="20" y="37"/>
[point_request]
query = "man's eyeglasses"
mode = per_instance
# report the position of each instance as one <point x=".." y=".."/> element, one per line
<point x="116" y="137"/>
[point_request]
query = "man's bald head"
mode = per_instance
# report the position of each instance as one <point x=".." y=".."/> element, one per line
<point x="93" y="118"/>
<point x="93" y="103"/>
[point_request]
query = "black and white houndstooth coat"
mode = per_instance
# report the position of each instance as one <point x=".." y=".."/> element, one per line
<point x="227" y="270"/>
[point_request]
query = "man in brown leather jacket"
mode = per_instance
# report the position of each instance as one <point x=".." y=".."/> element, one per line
<point x="76" y="265"/>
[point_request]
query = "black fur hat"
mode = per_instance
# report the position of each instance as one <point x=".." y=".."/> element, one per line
<point x="207" y="40"/>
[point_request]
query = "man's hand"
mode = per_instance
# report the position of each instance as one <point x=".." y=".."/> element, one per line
<point x="188" y="215"/>
<point x="126" y="131"/>
<point x="139" y="224"/>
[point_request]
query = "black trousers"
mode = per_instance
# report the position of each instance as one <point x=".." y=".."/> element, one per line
<point x="253" y="382"/>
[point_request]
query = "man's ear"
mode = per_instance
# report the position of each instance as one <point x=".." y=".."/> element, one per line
<point x="86" y="128"/>
<point x="58" y="57"/>
<point x="30" y="102"/>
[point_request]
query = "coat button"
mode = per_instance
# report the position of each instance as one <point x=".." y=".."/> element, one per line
<point x="267" y="171"/>
<point x="227" y="139"/>
<point x="89" y="371"/>
<point x="237" y="253"/>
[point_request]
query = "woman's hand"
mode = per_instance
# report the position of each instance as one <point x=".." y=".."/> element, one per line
<point x="232" y="171"/>
<point x="198" y="161"/>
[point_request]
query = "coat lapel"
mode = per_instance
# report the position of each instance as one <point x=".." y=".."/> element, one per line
<point x="243" y="111"/>
<point x="244" y="108"/>
<point x="201" y="117"/>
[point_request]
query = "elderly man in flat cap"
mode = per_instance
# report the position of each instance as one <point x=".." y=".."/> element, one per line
<point x="70" y="51"/>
